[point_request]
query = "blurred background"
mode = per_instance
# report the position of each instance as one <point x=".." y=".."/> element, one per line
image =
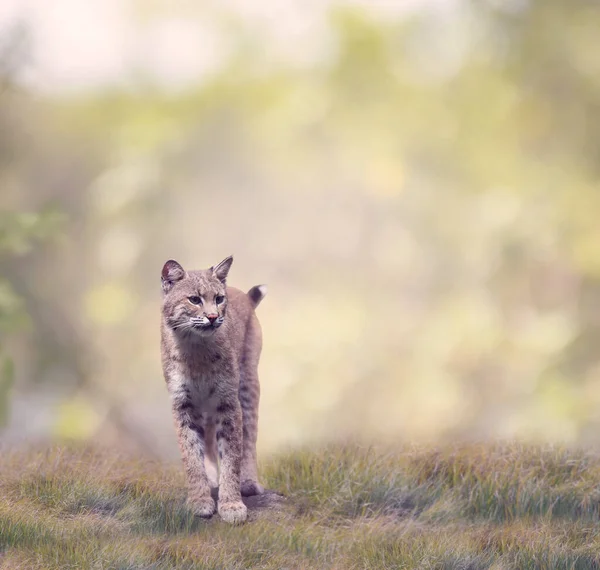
<point x="418" y="183"/>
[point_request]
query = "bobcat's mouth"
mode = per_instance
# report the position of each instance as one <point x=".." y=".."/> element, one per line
<point x="205" y="325"/>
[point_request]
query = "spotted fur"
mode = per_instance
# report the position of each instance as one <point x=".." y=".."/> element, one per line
<point x="211" y="342"/>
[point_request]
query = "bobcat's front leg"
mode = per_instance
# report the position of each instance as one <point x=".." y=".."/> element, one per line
<point x="190" y="436"/>
<point x="229" y="440"/>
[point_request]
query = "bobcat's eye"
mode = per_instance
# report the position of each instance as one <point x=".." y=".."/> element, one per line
<point x="219" y="299"/>
<point x="194" y="300"/>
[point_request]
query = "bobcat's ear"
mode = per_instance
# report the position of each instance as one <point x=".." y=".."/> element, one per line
<point x="171" y="273"/>
<point x="220" y="271"/>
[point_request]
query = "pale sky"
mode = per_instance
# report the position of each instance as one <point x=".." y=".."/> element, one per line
<point x="79" y="44"/>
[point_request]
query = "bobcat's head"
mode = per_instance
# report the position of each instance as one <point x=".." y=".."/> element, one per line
<point x="194" y="302"/>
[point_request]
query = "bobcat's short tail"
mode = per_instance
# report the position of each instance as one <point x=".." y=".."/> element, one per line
<point x="257" y="294"/>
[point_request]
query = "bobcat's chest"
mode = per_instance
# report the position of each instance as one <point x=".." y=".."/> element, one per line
<point x="203" y="391"/>
<point x="201" y="381"/>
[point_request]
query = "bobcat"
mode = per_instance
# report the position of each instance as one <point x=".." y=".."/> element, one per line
<point x="211" y="342"/>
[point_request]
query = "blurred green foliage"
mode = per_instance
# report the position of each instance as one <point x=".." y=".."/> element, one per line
<point x="19" y="233"/>
<point x="421" y="199"/>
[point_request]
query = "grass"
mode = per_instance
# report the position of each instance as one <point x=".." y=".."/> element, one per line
<point x="469" y="507"/>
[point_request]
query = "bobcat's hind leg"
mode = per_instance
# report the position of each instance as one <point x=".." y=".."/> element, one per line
<point x="249" y="394"/>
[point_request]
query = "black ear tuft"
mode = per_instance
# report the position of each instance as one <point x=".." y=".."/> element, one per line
<point x="171" y="273"/>
<point x="220" y="271"/>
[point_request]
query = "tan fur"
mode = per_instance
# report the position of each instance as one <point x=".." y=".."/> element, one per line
<point x="212" y="378"/>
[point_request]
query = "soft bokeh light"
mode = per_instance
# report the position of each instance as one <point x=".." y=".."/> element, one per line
<point x="416" y="182"/>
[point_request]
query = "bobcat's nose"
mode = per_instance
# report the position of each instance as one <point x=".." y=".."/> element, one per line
<point x="212" y="318"/>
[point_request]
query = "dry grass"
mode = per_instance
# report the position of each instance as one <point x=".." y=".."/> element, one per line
<point x="500" y="506"/>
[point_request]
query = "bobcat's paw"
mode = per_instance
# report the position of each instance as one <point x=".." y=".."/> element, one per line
<point x="249" y="488"/>
<point x="234" y="512"/>
<point x="202" y="507"/>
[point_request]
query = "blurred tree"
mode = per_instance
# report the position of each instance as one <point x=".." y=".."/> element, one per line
<point x="20" y="231"/>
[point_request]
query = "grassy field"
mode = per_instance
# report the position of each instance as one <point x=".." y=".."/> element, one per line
<point x="469" y="507"/>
